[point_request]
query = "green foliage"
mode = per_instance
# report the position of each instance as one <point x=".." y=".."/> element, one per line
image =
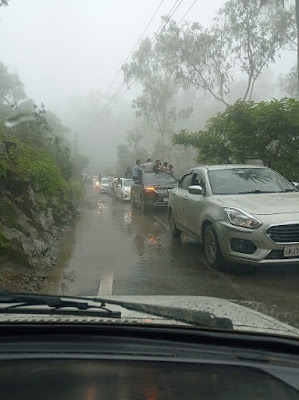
<point x="268" y="131"/>
<point x="3" y="241"/>
<point x="8" y="215"/>
<point x="40" y="167"/>
<point x="77" y="191"/>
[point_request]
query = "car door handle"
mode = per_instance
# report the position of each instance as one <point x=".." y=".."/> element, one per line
<point x="185" y="198"/>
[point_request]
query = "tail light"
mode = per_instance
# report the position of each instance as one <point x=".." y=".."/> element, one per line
<point x="149" y="189"/>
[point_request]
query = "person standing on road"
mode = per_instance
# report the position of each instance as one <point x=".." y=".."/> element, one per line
<point x="149" y="165"/>
<point x="137" y="171"/>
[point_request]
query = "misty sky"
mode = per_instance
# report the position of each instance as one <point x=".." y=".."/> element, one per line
<point x="65" y="48"/>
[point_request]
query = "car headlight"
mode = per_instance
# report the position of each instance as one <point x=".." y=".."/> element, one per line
<point x="241" y="218"/>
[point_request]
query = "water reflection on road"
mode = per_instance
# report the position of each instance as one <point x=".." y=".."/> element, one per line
<point x="141" y="258"/>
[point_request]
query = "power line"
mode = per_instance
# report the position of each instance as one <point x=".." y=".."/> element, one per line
<point x="131" y="52"/>
<point x="184" y="16"/>
<point x="155" y="36"/>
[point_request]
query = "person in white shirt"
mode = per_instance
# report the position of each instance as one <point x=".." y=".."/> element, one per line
<point x="149" y="165"/>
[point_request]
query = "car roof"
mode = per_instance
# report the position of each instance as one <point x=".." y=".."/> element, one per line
<point x="226" y="166"/>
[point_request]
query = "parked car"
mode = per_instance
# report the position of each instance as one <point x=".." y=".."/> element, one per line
<point x="152" y="190"/>
<point x="123" y="190"/>
<point x="104" y="185"/>
<point x="240" y="213"/>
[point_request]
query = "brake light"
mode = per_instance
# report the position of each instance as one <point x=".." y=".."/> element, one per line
<point x="149" y="189"/>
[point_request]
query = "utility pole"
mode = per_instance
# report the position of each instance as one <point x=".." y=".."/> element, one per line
<point x="76" y="141"/>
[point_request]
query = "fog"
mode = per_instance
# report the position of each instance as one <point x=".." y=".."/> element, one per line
<point x="67" y="53"/>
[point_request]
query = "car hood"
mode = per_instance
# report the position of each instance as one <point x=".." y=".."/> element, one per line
<point x="263" y="203"/>
<point x="243" y="318"/>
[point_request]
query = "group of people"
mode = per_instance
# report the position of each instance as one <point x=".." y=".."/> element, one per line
<point x="138" y="169"/>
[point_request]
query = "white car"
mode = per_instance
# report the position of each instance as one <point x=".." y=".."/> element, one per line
<point x="104" y="185"/>
<point x="123" y="191"/>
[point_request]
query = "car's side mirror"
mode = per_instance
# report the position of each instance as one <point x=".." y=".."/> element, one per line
<point x="296" y="184"/>
<point x="195" y="189"/>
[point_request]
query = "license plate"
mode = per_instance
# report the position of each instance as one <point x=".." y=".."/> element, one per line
<point x="165" y="199"/>
<point x="291" y="251"/>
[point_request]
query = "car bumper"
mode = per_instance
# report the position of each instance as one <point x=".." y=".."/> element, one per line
<point x="160" y="202"/>
<point x="266" y="252"/>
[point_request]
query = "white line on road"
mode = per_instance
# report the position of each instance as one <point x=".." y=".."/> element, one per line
<point x="161" y="222"/>
<point x="106" y="285"/>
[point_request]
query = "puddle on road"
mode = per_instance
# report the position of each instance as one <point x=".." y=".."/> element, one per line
<point x="108" y="237"/>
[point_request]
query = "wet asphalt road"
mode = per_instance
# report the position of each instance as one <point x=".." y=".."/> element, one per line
<point x="117" y="250"/>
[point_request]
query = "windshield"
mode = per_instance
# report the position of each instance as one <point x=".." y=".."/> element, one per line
<point x="245" y="180"/>
<point x="105" y="106"/>
<point x="158" y="179"/>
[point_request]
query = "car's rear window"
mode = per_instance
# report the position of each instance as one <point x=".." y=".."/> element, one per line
<point x="160" y="178"/>
<point x="105" y="180"/>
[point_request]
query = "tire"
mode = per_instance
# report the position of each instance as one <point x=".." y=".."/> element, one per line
<point x="175" y="232"/>
<point x="212" y="249"/>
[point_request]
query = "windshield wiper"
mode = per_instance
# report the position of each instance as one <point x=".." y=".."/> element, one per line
<point x="14" y="303"/>
<point x="193" y="317"/>
<point x="57" y="304"/>
<point x="289" y="190"/>
<point x="258" y="191"/>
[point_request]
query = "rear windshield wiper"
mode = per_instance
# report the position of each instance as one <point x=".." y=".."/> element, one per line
<point x="14" y="303"/>
<point x="17" y="303"/>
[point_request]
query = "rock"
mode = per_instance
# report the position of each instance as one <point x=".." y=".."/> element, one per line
<point x="40" y="199"/>
<point x="40" y="247"/>
<point x="31" y="195"/>
<point x="50" y="216"/>
<point x="54" y="201"/>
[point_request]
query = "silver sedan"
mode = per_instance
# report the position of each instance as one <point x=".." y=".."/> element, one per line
<point x="241" y="214"/>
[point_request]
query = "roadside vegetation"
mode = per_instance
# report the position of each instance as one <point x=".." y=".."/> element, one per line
<point x="40" y="175"/>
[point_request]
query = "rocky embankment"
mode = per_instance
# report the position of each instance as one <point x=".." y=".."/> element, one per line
<point x="31" y="226"/>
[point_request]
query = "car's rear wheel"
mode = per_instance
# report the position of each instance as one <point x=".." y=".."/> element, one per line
<point x="212" y="249"/>
<point x="175" y="232"/>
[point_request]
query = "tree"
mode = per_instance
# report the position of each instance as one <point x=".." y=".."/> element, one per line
<point x="281" y="3"/>
<point x="11" y="90"/>
<point x="267" y="130"/>
<point x="243" y="39"/>
<point x="129" y="152"/>
<point x="157" y="101"/>
<point x="289" y="83"/>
